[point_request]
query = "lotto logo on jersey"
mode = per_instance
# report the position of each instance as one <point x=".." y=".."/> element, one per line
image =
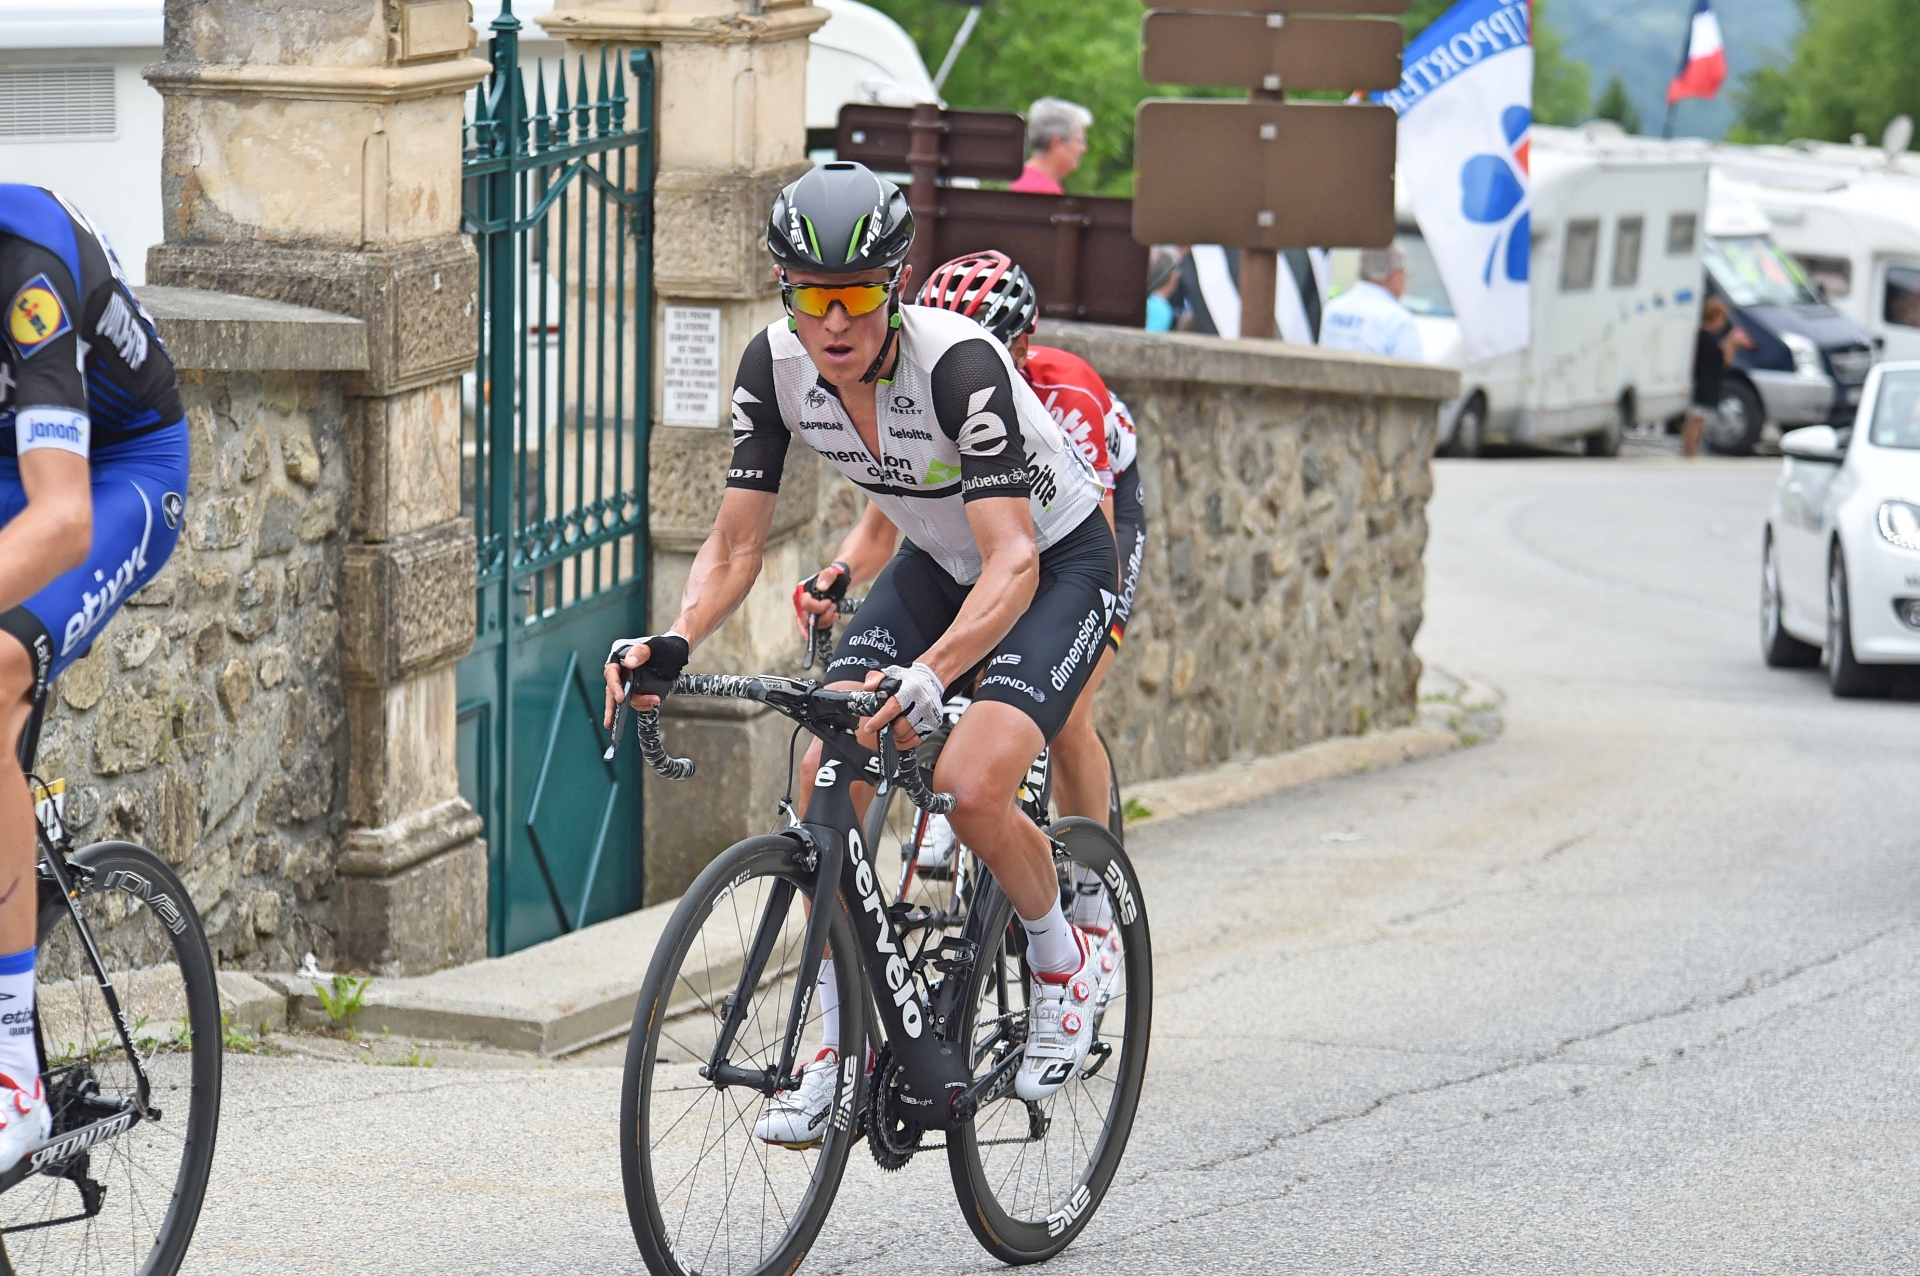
<point x="35" y="316"/>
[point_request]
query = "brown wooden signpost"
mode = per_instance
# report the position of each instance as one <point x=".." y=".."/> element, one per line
<point x="1078" y="249"/>
<point x="1266" y="174"/>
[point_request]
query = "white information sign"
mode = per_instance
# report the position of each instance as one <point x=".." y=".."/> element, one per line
<point x="690" y="386"/>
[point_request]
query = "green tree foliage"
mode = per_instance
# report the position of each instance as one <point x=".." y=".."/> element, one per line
<point x="1087" y="51"/>
<point x="1760" y="105"/>
<point x="1617" y="106"/>
<point x="1854" y="66"/>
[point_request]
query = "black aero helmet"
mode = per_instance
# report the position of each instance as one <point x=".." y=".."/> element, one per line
<point x="840" y="218"/>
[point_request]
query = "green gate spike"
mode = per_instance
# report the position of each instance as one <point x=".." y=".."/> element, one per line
<point x="520" y="112"/>
<point x="542" y="126"/>
<point x="583" y="102"/>
<point x="619" y="99"/>
<point x="600" y="115"/>
<point x="562" y="112"/>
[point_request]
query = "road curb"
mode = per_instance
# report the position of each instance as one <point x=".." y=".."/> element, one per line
<point x="1454" y="712"/>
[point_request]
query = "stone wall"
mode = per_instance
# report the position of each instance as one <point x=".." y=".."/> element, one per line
<point x="207" y="720"/>
<point x="1286" y="493"/>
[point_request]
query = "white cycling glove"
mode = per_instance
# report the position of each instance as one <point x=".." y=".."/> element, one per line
<point x="921" y="697"/>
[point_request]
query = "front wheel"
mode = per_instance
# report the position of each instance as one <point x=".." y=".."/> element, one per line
<point x="1846" y="676"/>
<point x="1030" y="1175"/>
<point x="1735" y="429"/>
<point x="1779" y="648"/>
<point x="704" y="1193"/>
<point x="129" y="1202"/>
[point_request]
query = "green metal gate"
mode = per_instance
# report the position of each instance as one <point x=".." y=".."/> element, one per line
<point x="559" y="197"/>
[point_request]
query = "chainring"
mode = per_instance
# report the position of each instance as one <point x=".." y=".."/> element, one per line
<point x="890" y="1136"/>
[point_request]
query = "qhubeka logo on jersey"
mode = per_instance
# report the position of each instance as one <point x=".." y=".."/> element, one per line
<point x="35" y="317"/>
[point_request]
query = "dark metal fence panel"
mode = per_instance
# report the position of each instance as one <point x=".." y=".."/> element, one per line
<point x="559" y="197"/>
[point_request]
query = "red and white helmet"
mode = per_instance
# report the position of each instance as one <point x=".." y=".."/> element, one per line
<point x="987" y="288"/>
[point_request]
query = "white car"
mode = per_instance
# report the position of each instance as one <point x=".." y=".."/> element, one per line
<point x="1841" y="565"/>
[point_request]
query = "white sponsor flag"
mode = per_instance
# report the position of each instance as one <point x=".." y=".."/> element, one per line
<point x="1465" y="103"/>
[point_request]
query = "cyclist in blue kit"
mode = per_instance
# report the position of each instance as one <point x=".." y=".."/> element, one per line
<point x="93" y="483"/>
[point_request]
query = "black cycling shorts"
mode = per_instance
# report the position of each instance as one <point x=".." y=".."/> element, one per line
<point x="1039" y="667"/>
<point x="1130" y="537"/>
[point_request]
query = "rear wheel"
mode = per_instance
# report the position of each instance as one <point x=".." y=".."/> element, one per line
<point x="1030" y="1175"/>
<point x="1845" y="675"/>
<point x="1737" y="427"/>
<point x="137" y="1194"/>
<point x="704" y="1194"/>
<point x="1606" y="440"/>
<point x="1778" y="647"/>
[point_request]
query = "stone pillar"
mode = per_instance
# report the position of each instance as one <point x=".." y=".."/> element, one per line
<point x="732" y="92"/>
<point x="312" y="155"/>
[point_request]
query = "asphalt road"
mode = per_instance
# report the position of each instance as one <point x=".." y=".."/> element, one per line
<point x="1630" y="989"/>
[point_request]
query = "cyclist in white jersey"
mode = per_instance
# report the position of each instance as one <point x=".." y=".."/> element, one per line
<point x="1007" y="566"/>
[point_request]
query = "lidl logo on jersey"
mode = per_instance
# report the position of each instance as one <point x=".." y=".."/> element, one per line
<point x="35" y="316"/>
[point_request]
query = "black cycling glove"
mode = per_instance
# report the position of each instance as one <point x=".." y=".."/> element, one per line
<point x="667" y="655"/>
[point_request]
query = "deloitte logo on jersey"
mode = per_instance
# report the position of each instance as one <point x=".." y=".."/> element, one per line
<point x="940" y="473"/>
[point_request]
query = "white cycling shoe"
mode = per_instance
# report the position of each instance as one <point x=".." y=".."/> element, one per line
<point x="1107" y="961"/>
<point x="25" y="1120"/>
<point x="1060" y="1013"/>
<point x="936" y="847"/>
<point x="797" y="1119"/>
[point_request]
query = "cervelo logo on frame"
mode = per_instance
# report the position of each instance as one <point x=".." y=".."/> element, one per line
<point x="899" y="975"/>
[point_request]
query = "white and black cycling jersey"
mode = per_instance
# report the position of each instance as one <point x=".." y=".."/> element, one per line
<point x="956" y="423"/>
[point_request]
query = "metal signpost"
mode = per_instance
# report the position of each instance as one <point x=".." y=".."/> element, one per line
<point x="1266" y="174"/>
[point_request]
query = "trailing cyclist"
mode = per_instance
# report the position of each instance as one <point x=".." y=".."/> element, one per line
<point x="1007" y="566"/>
<point x="93" y="482"/>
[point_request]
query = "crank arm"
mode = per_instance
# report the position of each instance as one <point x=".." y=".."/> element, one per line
<point x="994" y="1085"/>
<point x="69" y="1145"/>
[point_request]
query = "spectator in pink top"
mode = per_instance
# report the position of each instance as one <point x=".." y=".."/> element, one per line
<point x="1056" y="139"/>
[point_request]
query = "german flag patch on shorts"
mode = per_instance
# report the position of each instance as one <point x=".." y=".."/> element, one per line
<point x="35" y="316"/>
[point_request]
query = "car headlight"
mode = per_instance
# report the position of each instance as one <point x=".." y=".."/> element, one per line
<point x="1806" y="355"/>
<point x="1900" y="523"/>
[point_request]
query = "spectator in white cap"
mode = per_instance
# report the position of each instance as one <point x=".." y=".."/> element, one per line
<point x="1056" y="139"/>
<point x="1369" y="316"/>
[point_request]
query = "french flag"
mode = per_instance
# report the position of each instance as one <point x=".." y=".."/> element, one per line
<point x="1703" y="68"/>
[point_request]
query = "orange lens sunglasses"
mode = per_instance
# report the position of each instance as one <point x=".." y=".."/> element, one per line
<point x="817" y="299"/>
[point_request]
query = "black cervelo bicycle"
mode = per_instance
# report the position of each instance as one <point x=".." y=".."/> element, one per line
<point x="939" y="988"/>
<point x="129" y="1034"/>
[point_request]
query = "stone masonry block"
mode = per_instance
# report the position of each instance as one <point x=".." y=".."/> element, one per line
<point x="711" y="232"/>
<point x="426" y="917"/>
<point x="417" y="301"/>
<point x="407" y="604"/>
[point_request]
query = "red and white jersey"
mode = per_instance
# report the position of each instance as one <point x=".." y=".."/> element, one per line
<point x="1078" y="400"/>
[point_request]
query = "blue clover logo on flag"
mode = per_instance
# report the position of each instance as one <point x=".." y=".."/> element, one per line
<point x="1491" y="188"/>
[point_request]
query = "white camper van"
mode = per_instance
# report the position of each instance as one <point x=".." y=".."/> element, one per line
<point x="1850" y="215"/>
<point x="1616" y="279"/>
<point x="76" y="114"/>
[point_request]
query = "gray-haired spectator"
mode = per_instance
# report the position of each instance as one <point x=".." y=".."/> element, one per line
<point x="1056" y="139"/>
<point x="1369" y="316"/>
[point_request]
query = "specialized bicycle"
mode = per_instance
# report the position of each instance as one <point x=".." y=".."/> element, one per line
<point x="129" y="1035"/>
<point x="941" y="990"/>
